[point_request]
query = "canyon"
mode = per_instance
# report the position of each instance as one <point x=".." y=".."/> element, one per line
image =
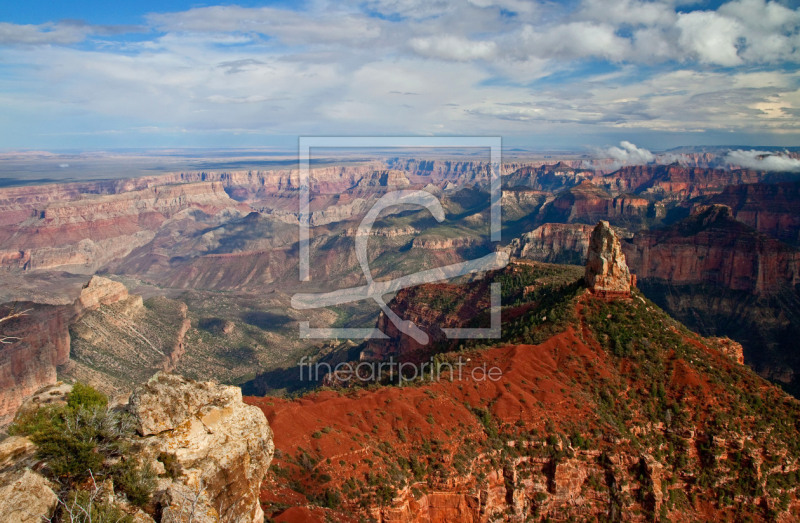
<point x="236" y="231"/>
<point x="194" y="272"/>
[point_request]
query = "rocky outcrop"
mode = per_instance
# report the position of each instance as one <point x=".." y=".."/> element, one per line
<point x="122" y="343"/>
<point x="730" y="348"/>
<point x="607" y="273"/>
<point x="553" y="243"/>
<point x="218" y="447"/>
<point x="100" y="291"/>
<point x="26" y="497"/>
<point x="209" y="450"/>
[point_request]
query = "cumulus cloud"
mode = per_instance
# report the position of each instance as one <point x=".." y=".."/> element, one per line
<point x="494" y="66"/>
<point x="627" y="12"/>
<point x="575" y="40"/>
<point x="629" y="154"/>
<point x="711" y="38"/>
<point x="453" y="48"/>
<point x="763" y="160"/>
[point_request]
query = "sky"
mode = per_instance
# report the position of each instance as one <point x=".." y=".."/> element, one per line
<point x="584" y="73"/>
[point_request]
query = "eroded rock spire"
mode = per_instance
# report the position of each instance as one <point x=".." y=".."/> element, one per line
<point x="607" y="274"/>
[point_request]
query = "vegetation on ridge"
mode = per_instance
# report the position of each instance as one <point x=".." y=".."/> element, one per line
<point x="83" y="444"/>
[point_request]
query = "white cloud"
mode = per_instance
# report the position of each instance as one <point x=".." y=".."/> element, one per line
<point x="414" y="9"/>
<point x="502" y="66"/>
<point x="629" y="154"/>
<point x="631" y="12"/>
<point x="453" y="48"/>
<point x="763" y="161"/>
<point x="575" y="40"/>
<point x="711" y="38"/>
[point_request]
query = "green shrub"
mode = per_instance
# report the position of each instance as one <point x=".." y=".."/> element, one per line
<point x="87" y="397"/>
<point x="81" y="506"/>
<point x="36" y="421"/>
<point x="135" y="480"/>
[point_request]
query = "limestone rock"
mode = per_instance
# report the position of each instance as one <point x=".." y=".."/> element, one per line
<point x="607" y="274"/>
<point x="100" y="291"/>
<point x="166" y="401"/>
<point x="25" y="496"/>
<point x="220" y="446"/>
<point x="15" y="449"/>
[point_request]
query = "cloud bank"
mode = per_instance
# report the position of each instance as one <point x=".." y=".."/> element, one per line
<point x="763" y="161"/>
<point x="629" y="154"/>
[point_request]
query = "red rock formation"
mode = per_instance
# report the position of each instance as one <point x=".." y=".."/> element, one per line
<point x="674" y="181"/>
<point x="588" y="203"/>
<point x="772" y="209"/>
<point x="474" y="450"/>
<point x="86" y="233"/>
<point x="730" y="348"/>
<point x="30" y="362"/>
<point x="100" y="291"/>
<point x="711" y="247"/>
<point x="607" y="273"/>
<point x="546" y="177"/>
<point x="553" y="242"/>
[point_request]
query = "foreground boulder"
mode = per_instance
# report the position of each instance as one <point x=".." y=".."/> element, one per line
<point x="25" y="496"/>
<point x="215" y="448"/>
<point x="607" y="274"/>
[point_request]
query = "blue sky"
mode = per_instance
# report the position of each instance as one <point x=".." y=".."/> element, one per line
<point x="541" y="74"/>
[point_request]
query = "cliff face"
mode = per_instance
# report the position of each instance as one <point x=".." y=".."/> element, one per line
<point x="87" y="233"/>
<point x="30" y="362"/>
<point x="44" y="343"/>
<point x="711" y="247"/>
<point x="771" y="209"/>
<point x="431" y="308"/>
<point x="554" y="243"/>
<point x="546" y="177"/>
<point x="674" y="181"/>
<point x="219" y="448"/>
<point x="722" y="277"/>
<point x="588" y="203"/>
